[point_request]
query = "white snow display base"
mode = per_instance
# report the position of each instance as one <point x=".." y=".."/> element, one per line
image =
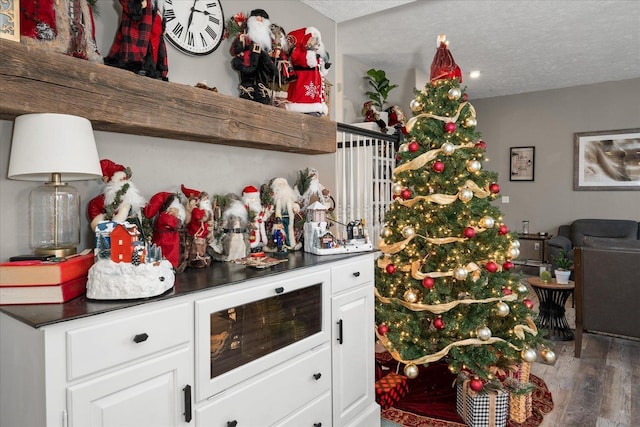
<point x="120" y="280"/>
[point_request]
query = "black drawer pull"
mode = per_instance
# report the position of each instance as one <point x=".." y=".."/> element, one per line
<point x="279" y="290"/>
<point x="317" y="376"/>
<point x="233" y="423"/>
<point x="356" y="274"/>
<point x="140" y="338"/>
<point x="187" y="403"/>
<point x="317" y="425"/>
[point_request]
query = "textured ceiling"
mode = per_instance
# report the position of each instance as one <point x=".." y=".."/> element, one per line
<point x="518" y="46"/>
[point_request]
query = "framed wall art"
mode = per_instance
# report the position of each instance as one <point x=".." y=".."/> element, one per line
<point x="522" y="164"/>
<point x="607" y="160"/>
<point x="10" y="20"/>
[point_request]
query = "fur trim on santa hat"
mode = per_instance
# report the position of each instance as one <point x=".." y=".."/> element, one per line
<point x="317" y="107"/>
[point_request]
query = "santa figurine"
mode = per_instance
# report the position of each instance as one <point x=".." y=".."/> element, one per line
<point x="166" y="228"/>
<point x="251" y="58"/>
<point x="139" y="43"/>
<point x="310" y="60"/>
<point x="258" y="215"/>
<point x="286" y="208"/>
<point x="234" y="242"/>
<point x="120" y="199"/>
<point x="198" y="219"/>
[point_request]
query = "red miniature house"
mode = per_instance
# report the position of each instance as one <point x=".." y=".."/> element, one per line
<point x="123" y="240"/>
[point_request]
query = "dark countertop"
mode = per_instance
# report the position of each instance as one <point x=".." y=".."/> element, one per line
<point x="191" y="280"/>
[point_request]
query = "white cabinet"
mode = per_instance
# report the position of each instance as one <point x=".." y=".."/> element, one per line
<point x="290" y="349"/>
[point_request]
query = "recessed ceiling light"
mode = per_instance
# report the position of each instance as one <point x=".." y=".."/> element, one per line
<point x="474" y="74"/>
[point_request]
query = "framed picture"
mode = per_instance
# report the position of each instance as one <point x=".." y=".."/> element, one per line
<point x="522" y="163"/>
<point x="10" y="20"/>
<point x="607" y="160"/>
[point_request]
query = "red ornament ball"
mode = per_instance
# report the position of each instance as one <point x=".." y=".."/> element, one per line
<point x="481" y="145"/>
<point x="469" y="232"/>
<point x="428" y="282"/>
<point x="390" y="268"/>
<point x="528" y="303"/>
<point x="450" y="127"/>
<point x="413" y="146"/>
<point x="438" y="166"/>
<point x="438" y="323"/>
<point x="506" y="291"/>
<point x="465" y="97"/>
<point x="491" y="267"/>
<point x="383" y="329"/>
<point x="503" y="229"/>
<point x="476" y="384"/>
<point x="494" y="188"/>
<point x="508" y="265"/>
<point x="405" y="194"/>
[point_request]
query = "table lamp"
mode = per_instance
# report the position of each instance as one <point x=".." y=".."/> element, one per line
<point x="52" y="148"/>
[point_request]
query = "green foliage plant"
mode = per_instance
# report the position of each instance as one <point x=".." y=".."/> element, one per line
<point x="381" y="87"/>
<point x="561" y="261"/>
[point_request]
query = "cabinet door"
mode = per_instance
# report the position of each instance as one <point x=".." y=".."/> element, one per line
<point x="148" y="394"/>
<point x="352" y="353"/>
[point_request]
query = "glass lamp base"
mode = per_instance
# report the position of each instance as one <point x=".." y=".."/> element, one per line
<point x="56" y="252"/>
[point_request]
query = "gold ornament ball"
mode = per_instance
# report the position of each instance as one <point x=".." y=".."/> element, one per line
<point x="548" y="355"/>
<point x="411" y="371"/>
<point x="408" y="231"/>
<point x="529" y="355"/>
<point x="460" y="273"/>
<point x="386" y="232"/>
<point x="487" y="222"/>
<point x="474" y="166"/>
<point x="454" y="93"/>
<point x="397" y="189"/>
<point x="465" y="195"/>
<point x="410" y="296"/>
<point x="415" y="105"/>
<point x="448" y="148"/>
<point x="483" y="333"/>
<point x="470" y="122"/>
<point x="502" y="309"/>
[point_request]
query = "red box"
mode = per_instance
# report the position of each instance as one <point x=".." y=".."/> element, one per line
<point x="391" y="388"/>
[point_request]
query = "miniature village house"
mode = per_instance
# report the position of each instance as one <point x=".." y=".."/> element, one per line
<point x="125" y="243"/>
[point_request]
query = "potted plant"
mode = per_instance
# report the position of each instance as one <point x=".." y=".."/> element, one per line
<point x="563" y="266"/>
<point x="381" y="86"/>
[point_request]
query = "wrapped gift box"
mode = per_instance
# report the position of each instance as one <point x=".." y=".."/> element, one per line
<point x="390" y="389"/>
<point x="487" y="408"/>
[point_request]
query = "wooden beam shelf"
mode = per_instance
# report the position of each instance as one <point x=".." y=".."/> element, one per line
<point x="36" y="81"/>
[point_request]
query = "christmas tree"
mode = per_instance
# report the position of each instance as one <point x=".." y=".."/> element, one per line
<point x="445" y="284"/>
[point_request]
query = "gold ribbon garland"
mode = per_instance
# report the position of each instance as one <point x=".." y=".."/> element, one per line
<point x="412" y="121"/>
<point x="425" y="158"/>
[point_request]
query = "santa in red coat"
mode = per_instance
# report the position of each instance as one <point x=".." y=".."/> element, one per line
<point x="310" y="62"/>
<point x="166" y="228"/>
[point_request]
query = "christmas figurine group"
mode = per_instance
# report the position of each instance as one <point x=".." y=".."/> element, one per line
<point x="445" y="285"/>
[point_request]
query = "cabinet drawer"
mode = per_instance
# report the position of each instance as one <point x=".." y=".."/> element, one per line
<point x="272" y="396"/>
<point x="348" y="275"/>
<point x="110" y="343"/>
<point x="318" y="413"/>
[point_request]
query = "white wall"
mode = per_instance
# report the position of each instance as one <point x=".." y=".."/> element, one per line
<point x="163" y="164"/>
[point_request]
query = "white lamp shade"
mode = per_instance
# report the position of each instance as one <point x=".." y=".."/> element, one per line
<point x="53" y="143"/>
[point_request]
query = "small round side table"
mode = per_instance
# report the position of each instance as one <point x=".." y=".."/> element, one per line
<point x="553" y="298"/>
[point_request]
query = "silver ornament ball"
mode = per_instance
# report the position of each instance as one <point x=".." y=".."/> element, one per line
<point x="460" y="273"/>
<point x="408" y="231"/>
<point x="515" y="243"/>
<point x="386" y="232"/>
<point x="411" y="371"/>
<point x="529" y="355"/>
<point x="470" y="122"/>
<point x="522" y="288"/>
<point x="514" y="252"/>
<point x="415" y="105"/>
<point x="411" y="296"/>
<point x="397" y="189"/>
<point x="502" y="309"/>
<point x="465" y="195"/>
<point x="548" y="355"/>
<point x="448" y="148"/>
<point x="483" y="333"/>
<point x="474" y="166"/>
<point x="454" y="93"/>
<point x="487" y="222"/>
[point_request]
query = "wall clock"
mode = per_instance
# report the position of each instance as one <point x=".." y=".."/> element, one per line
<point x="194" y="26"/>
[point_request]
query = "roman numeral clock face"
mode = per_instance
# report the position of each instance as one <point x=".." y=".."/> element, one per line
<point x="194" y="26"/>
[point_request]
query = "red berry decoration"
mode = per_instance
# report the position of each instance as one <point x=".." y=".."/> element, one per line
<point x="438" y="323"/>
<point x="428" y="282"/>
<point x="476" y="384"/>
<point x="506" y="291"/>
<point x="413" y="146"/>
<point x="491" y="267"/>
<point x="405" y="194"/>
<point x="481" y="145"/>
<point x="438" y="166"/>
<point x="450" y="127"/>
<point x="494" y="188"/>
<point x="469" y="232"/>
<point x="503" y="229"/>
<point x="528" y="303"/>
<point x="508" y="265"/>
<point x="390" y="268"/>
<point x="383" y="329"/>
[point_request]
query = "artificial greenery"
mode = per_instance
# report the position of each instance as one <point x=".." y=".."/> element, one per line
<point x="425" y="242"/>
<point x="561" y="261"/>
<point x="381" y="87"/>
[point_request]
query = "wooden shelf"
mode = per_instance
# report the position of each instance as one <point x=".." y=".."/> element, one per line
<point x="115" y="100"/>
